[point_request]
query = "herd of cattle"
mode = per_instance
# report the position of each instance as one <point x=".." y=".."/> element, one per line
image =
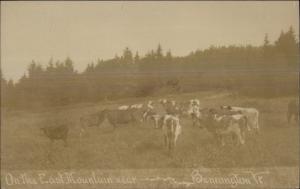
<point x="167" y="114"/>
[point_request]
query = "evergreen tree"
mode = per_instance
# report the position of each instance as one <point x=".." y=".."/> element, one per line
<point x="127" y="56"/>
<point x="267" y="54"/>
<point x="136" y="58"/>
<point x="286" y="45"/>
<point x="159" y="53"/>
<point x="169" y="55"/>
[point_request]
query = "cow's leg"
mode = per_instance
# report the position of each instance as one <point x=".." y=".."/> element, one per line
<point x="170" y="143"/>
<point x="248" y="125"/>
<point x="257" y="131"/>
<point x="233" y="137"/>
<point x="296" y="117"/>
<point x="156" y="123"/>
<point x="145" y="116"/>
<point x="165" y="140"/>
<point x="49" y="152"/>
<point x="243" y="134"/>
<point x="113" y="124"/>
<point x="289" y="115"/>
<point x="239" y="136"/>
<point x="65" y="142"/>
<point x="219" y="138"/>
<point x="175" y="139"/>
<point x="222" y="140"/>
<point x="194" y="122"/>
<point x="200" y="124"/>
<point x="256" y="126"/>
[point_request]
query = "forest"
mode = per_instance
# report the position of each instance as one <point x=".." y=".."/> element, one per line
<point x="268" y="70"/>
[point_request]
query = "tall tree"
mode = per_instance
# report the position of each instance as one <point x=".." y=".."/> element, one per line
<point x="287" y="45"/>
<point x="169" y="55"/>
<point x="136" y="57"/>
<point x="159" y="52"/>
<point x="127" y="56"/>
<point x="267" y="49"/>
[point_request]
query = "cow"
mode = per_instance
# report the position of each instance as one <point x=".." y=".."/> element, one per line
<point x="183" y="108"/>
<point x="170" y="107"/>
<point x="154" y="113"/>
<point x="149" y="111"/>
<point x="163" y="101"/>
<point x="150" y="105"/>
<point x="136" y="106"/>
<point x="194" y="110"/>
<point x="173" y="102"/>
<point x="232" y="124"/>
<point x="89" y="120"/>
<point x="142" y="109"/>
<point x="292" y="111"/>
<point x="57" y="132"/>
<point x="116" y="117"/>
<point x="157" y="120"/>
<point x="252" y="115"/>
<point x="224" y="125"/>
<point x="123" y="107"/>
<point x="195" y="101"/>
<point x="171" y="130"/>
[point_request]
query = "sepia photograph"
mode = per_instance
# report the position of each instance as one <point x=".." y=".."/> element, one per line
<point x="149" y="94"/>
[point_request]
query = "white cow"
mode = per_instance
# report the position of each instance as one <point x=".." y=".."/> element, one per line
<point x="194" y="110"/>
<point x="195" y="101"/>
<point x="231" y="124"/>
<point x="123" y="107"/>
<point x="136" y="106"/>
<point x="149" y="110"/>
<point x="173" y="102"/>
<point x="170" y="106"/>
<point x="171" y="130"/>
<point x="157" y="119"/>
<point x="252" y="115"/>
<point x="150" y="105"/>
<point x="163" y="101"/>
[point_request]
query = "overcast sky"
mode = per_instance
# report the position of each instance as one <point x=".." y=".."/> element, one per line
<point x="86" y="31"/>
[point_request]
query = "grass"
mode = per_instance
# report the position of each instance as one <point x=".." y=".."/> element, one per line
<point x="138" y="146"/>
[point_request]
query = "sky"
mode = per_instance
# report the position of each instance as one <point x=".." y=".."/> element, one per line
<point x="86" y="31"/>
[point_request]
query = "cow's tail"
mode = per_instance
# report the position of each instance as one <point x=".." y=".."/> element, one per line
<point x="256" y="123"/>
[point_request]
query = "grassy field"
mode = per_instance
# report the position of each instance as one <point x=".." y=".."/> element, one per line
<point x="23" y="145"/>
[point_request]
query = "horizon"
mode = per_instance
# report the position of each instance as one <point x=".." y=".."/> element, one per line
<point x="84" y="41"/>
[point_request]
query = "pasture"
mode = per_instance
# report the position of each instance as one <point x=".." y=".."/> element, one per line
<point x="135" y="146"/>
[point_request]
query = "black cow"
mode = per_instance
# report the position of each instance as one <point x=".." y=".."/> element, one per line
<point x="58" y="132"/>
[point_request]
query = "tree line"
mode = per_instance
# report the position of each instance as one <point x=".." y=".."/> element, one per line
<point x="158" y="72"/>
